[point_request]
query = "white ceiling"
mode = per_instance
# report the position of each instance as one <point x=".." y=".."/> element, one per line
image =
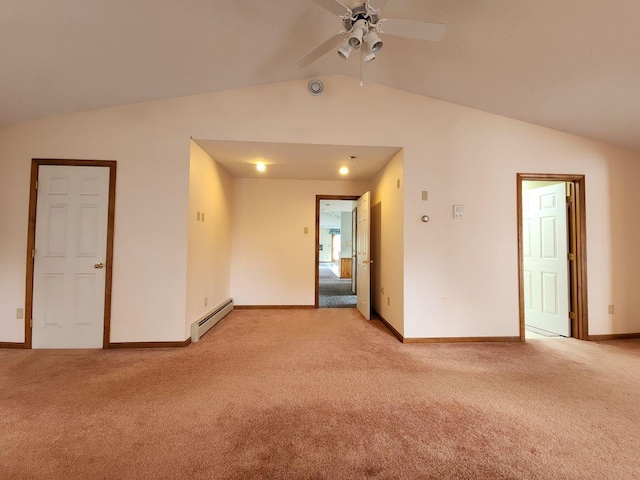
<point x="572" y="65"/>
<point x="295" y="161"/>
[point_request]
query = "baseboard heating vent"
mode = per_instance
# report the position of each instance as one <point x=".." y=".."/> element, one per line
<point x="202" y="326"/>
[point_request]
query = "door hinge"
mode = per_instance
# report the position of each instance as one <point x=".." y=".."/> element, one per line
<point x="572" y="315"/>
<point x="31" y="323"/>
<point x="36" y="184"/>
<point x="33" y="253"/>
<point x="571" y="256"/>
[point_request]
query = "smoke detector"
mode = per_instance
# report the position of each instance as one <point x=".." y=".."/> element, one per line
<point x="315" y="87"/>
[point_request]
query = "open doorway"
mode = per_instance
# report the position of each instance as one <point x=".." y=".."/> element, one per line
<point x="335" y="286"/>
<point x="552" y="256"/>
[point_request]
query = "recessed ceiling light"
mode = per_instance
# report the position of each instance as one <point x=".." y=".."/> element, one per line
<point x="343" y="170"/>
<point x="261" y="167"/>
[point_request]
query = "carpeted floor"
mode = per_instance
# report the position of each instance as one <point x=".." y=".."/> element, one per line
<point x="334" y="292"/>
<point x="322" y="394"/>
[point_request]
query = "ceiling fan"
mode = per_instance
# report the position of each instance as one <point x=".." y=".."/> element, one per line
<point x="361" y="25"/>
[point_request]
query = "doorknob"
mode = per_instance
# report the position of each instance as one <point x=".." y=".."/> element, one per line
<point x="99" y="265"/>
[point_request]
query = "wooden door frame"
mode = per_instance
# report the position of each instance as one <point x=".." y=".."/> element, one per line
<point x="578" y="239"/>
<point x="317" y="254"/>
<point x="31" y="240"/>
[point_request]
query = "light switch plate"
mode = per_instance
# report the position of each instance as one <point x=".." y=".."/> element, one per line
<point x="425" y="195"/>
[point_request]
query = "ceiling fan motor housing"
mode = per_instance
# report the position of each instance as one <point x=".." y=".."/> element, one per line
<point x="359" y="13"/>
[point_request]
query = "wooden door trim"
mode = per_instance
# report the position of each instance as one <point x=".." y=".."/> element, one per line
<point x="581" y="323"/>
<point x="31" y="239"/>
<point x="317" y="254"/>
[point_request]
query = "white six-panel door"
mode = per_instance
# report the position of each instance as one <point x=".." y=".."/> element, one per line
<point x="363" y="256"/>
<point x="544" y="248"/>
<point x="70" y="257"/>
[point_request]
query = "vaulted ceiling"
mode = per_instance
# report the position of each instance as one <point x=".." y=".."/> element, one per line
<point x="572" y="65"/>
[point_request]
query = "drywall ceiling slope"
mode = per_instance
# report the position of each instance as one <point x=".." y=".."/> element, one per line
<point x="570" y="65"/>
<point x="294" y="161"/>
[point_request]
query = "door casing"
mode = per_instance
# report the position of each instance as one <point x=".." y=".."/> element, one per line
<point x="319" y="198"/>
<point x="577" y="246"/>
<point x="31" y="237"/>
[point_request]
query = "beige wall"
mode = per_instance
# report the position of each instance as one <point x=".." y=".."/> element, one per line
<point x="273" y="259"/>
<point x="387" y="237"/>
<point x="346" y="234"/>
<point x="150" y="239"/>
<point x="324" y="255"/>
<point x="460" y="276"/>
<point x="209" y="243"/>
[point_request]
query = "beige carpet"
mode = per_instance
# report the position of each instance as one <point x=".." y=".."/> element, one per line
<point x="322" y="394"/>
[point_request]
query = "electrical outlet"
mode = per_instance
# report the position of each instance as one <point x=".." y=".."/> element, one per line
<point x="19" y="313"/>
<point x="382" y="290"/>
<point x="398" y="183"/>
<point x="388" y="300"/>
<point x="202" y="216"/>
<point x="198" y="216"/>
<point x="306" y="230"/>
<point x="610" y="309"/>
<point x="206" y="301"/>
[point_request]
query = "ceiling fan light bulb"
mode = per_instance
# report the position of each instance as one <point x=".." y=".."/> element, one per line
<point x="345" y="50"/>
<point x="368" y="55"/>
<point x="359" y="29"/>
<point x="374" y="41"/>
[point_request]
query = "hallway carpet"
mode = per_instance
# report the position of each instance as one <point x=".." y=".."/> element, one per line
<point x="322" y="394"/>
<point x="334" y="292"/>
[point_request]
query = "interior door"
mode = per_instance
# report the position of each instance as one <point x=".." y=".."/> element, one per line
<point x="363" y="256"/>
<point x="70" y="257"/>
<point x="545" y="261"/>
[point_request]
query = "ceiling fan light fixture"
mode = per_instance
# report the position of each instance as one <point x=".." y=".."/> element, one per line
<point x="359" y="29"/>
<point x="368" y="55"/>
<point x="374" y="41"/>
<point x="345" y="50"/>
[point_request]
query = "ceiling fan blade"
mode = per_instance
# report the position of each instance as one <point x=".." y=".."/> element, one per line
<point x="320" y="50"/>
<point x="412" y="29"/>
<point x="334" y="6"/>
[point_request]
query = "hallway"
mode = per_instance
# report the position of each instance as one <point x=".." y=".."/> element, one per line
<point x="335" y="292"/>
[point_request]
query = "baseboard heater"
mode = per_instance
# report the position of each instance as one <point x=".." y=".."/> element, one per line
<point x="202" y="326"/>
